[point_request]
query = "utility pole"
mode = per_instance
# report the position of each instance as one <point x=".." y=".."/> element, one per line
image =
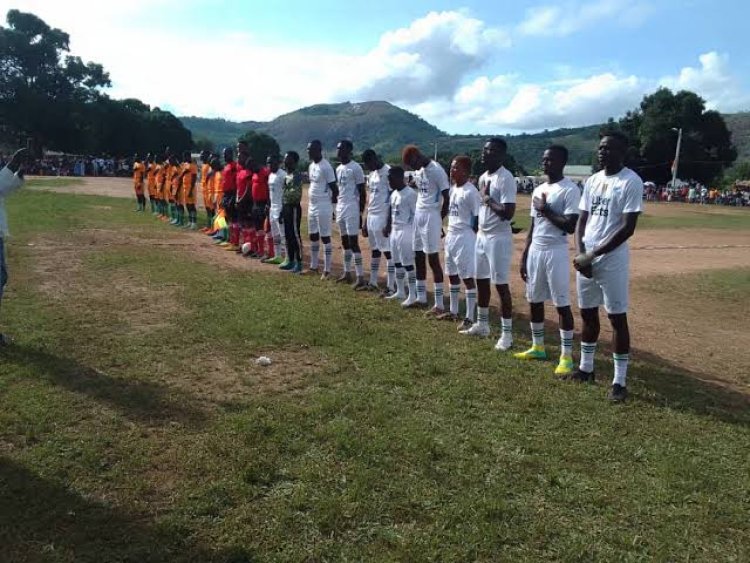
<point x="676" y="162"/>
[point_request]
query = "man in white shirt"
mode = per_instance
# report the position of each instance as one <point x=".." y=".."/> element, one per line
<point x="460" y="242"/>
<point x="350" y="180"/>
<point x="400" y="230"/>
<point x="431" y="183"/>
<point x="610" y="205"/>
<point x="494" y="248"/>
<point x="276" y="180"/>
<point x="11" y="178"/>
<point x="545" y="265"/>
<point x="378" y="197"/>
<point x="322" y="195"/>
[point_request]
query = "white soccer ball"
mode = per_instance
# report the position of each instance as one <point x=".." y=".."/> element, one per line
<point x="246" y="248"/>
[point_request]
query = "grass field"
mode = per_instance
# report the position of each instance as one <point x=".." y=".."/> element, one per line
<point x="135" y="425"/>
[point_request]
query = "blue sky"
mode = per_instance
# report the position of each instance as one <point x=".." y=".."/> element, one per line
<point x="468" y="67"/>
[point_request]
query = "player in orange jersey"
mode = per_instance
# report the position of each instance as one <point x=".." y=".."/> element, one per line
<point x="206" y="175"/>
<point x="189" y="180"/>
<point x="151" y="181"/>
<point x="139" y="176"/>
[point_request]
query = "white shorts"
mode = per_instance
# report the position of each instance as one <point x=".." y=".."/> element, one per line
<point x="348" y="225"/>
<point x="494" y="253"/>
<point x="609" y="286"/>
<point x="402" y="246"/>
<point x="460" y="255"/>
<point x="428" y="226"/>
<point x="319" y="219"/>
<point x="276" y="229"/>
<point x="375" y="226"/>
<point x="548" y="275"/>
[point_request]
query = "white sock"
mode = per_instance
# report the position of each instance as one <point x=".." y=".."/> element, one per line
<point x="566" y="343"/>
<point x="588" y="349"/>
<point x="471" y="303"/>
<point x="506" y="327"/>
<point x="537" y="334"/>
<point x="314" y="255"/>
<point x="400" y="278"/>
<point x="374" y="269"/>
<point x="347" y="260"/>
<point x="483" y="316"/>
<point x="455" y="290"/>
<point x="422" y="291"/>
<point x="412" y="277"/>
<point x="621" y="368"/>
<point x="391" y="273"/>
<point x="439" y="296"/>
<point x="359" y="269"/>
<point x="327" y="256"/>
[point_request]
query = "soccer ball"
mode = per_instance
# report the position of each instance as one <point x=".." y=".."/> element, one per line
<point x="247" y="248"/>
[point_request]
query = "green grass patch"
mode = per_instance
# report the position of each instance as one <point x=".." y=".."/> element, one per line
<point x="697" y="217"/>
<point x="135" y="426"/>
<point x="52" y="182"/>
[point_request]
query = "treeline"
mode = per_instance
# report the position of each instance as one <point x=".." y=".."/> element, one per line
<point x="52" y="100"/>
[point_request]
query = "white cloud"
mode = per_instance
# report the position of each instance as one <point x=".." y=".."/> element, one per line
<point x="561" y="20"/>
<point x="430" y="58"/>
<point x="713" y="80"/>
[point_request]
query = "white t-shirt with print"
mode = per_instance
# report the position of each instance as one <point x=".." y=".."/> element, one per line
<point x="348" y="176"/>
<point x="464" y="207"/>
<point x="379" y="192"/>
<point x="321" y="174"/>
<point x="501" y="187"/>
<point x="403" y="208"/>
<point x="563" y="198"/>
<point x="431" y="181"/>
<point x="276" y="188"/>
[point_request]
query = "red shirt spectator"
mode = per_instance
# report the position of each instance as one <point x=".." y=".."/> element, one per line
<point x="260" y="184"/>
<point x="229" y="177"/>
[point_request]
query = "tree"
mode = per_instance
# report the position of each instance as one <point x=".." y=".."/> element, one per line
<point x="40" y="88"/>
<point x="204" y="144"/>
<point x="260" y="145"/>
<point x="706" y="142"/>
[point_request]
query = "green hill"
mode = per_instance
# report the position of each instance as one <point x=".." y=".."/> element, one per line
<point x="387" y="128"/>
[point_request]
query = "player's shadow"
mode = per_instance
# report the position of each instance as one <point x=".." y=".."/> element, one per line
<point x="42" y="519"/>
<point x="664" y="384"/>
<point x="138" y="400"/>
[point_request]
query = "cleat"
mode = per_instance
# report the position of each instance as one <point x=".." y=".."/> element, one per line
<point x="411" y="303"/>
<point x="580" y="377"/>
<point x="346" y="277"/>
<point x="311" y="271"/>
<point x="276" y="261"/>
<point x="361" y="285"/>
<point x="565" y="367"/>
<point x="372" y="288"/>
<point x="231" y="247"/>
<point x="297" y="269"/>
<point x="477" y="329"/>
<point x="446" y="316"/>
<point x="617" y="393"/>
<point x="504" y="343"/>
<point x="466" y="324"/>
<point x="533" y="353"/>
<point x="287" y="266"/>
<point x="396" y="295"/>
<point x="325" y="276"/>
<point x="434" y="312"/>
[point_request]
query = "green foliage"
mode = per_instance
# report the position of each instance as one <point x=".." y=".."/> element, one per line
<point x="55" y="99"/>
<point x="260" y="146"/>
<point x="706" y="142"/>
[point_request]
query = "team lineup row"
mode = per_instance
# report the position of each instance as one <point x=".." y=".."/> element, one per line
<point x="256" y="210"/>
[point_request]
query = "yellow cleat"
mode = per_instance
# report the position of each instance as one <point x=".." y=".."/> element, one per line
<point x="565" y="367"/>
<point x="533" y="353"/>
<point x="232" y="248"/>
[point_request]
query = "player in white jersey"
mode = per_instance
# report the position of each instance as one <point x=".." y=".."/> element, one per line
<point x="400" y="230"/>
<point x="378" y="197"/>
<point x="610" y="205"/>
<point x="321" y="196"/>
<point x="431" y="183"/>
<point x="276" y="181"/>
<point x="545" y="265"/>
<point x="351" y="202"/>
<point x="494" y="249"/>
<point x="460" y="241"/>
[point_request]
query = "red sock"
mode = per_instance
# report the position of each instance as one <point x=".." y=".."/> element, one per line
<point x="269" y="241"/>
<point x="235" y="234"/>
<point x="261" y="240"/>
<point x="245" y="236"/>
<point x="253" y="240"/>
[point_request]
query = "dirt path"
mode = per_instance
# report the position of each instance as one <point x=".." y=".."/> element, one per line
<point x="653" y="253"/>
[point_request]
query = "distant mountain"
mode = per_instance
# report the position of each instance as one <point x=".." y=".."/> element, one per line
<point x="387" y="128"/>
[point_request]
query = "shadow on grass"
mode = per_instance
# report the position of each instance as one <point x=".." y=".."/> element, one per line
<point x="664" y="384"/>
<point x="42" y="520"/>
<point x="140" y="400"/>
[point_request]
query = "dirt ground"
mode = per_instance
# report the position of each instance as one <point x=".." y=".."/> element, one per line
<point x="653" y="253"/>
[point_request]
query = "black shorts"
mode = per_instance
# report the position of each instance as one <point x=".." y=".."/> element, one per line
<point x="229" y="204"/>
<point x="245" y="210"/>
<point x="260" y="212"/>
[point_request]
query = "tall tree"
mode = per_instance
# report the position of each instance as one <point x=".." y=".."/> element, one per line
<point x="260" y="145"/>
<point x="653" y="129"/>
<point x="41" y="86"/>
